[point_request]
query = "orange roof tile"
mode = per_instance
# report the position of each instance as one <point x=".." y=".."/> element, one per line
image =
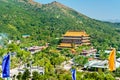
<point x="76" y="33"/>
<point x="65" y="45"/>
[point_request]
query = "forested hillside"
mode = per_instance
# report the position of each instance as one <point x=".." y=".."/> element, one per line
<point x="49" y="21"/>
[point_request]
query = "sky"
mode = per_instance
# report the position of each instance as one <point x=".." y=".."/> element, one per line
<point x="98" y="9"/>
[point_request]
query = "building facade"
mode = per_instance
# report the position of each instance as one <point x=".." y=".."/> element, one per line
<point x="89" y="52"/>
<point x="74" y="38"/>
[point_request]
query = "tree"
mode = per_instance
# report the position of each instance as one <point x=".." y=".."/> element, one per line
<point x="109" y="77"/>
<point x="103" y="55"/>
<point x="13" y="47"/>
<point x="19" y="76"/>
<point x="117" y="72"/>
<point x="1" y="79"/>
<point x="35" y="76"/>
<point x="80" y="60"/>
<point x="26" y="75"/>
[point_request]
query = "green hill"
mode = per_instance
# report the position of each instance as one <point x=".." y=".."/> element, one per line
<point x="49" y="21"/>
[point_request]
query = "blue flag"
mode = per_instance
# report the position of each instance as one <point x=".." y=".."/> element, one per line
<point x="73" y="71"/>
<point x="6" y="66"/>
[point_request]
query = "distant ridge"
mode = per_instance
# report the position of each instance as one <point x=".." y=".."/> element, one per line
<point x="113" y="20"/>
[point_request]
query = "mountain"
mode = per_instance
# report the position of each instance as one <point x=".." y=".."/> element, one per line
<point x="112" y="20"/>
<point x="49" y="21"/>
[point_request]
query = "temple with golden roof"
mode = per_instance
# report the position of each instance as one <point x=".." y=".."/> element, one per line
<point x="76" y="38"/>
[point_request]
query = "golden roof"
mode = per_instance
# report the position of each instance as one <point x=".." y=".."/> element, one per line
<point x="65" y="45"/>
<point x="76" y="33"/>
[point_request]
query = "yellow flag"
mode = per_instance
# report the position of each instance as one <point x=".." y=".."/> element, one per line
<point x="111" y="60"/>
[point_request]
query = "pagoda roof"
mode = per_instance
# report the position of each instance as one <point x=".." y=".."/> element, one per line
<point x="76" y="33"/>
<point x="65" y="45"/>
<point x="70" y="38"/>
